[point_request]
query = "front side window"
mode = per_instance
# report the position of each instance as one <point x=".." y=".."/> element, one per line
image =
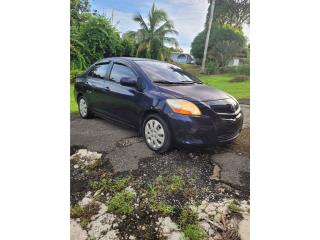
<point x="99" y="71"/>
<point x="119" y="71"/>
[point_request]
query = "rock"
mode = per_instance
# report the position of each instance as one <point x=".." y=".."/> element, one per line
<point x="103" y="209"/>
<point x="176" y="235"/>
<point x="76" y="232"/>
<point x="210" y="209"/>
<point x="132" y="237"/>
<point x="223" y="209"/>
<point x="83" y="157"/>
<point x="244" y="206"/>
<point x="244" y="228"/>
<point x="167" y="226"/>
<point x="111" y="235"/>
<point x="202" y="216"/>
<point x="205" y="225"/>
<point x="101" y="225"/>
<point x="218" y="217"/>
<point x="76" y="166"/>
<point x="215" y="173"/>
<point x="85" y="201"/>
<point x="203" y="205"/>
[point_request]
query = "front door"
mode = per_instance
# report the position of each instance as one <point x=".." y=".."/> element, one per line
<point x="123" y="101"/>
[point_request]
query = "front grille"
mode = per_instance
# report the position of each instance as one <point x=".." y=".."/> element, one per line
<point x="224" y="106"/>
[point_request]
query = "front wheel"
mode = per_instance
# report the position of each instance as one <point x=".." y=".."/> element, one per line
<point x="156" y="134"/>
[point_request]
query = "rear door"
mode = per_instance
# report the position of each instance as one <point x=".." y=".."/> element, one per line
<point x="97" y="86"/>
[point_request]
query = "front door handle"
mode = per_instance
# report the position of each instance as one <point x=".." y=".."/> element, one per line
<point x="107" y="88"/>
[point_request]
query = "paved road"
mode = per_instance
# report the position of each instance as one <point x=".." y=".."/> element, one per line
<point x="125" y="150"/>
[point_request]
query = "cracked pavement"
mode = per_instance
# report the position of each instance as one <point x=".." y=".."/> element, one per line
<point x="127" y="152"/>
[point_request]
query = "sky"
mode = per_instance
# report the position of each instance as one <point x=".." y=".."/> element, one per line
<point x="188" y="15"/>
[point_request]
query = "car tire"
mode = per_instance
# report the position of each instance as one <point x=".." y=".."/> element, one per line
<point x="84" y="110"/>
<point x="152" y="129"/>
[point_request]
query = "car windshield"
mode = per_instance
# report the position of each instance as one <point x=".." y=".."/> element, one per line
<point x="160" y="72"/>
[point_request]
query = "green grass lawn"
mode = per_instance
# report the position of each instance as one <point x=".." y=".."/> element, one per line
<point x="73" y="103"/>
<point x="239" y="90"/>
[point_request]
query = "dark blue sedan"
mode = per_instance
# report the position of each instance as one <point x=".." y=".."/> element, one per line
<point x="166" y="104"/>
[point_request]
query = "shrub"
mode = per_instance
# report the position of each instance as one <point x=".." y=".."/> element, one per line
<point x="121" y="184"/>
<point x="212" y="67"/>
<point x="161" y="207"/>
<point x="106" y="184"/>
<point x="194" y="232"/>
<point x="234" y="207"/>
<point x="76" y="211"/>
<point x="122" y="202"/>
<point x="84" y="223"/>
<point x="170" y="184"/>
<point x="244" y="69"/>
<point x="187" y="217"/>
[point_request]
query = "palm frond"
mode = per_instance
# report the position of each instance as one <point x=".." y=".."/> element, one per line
<point x="139" y="19"/>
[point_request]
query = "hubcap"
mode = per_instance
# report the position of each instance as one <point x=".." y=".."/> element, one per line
<point x="83" y="107"/>
<point x="154" y="134"/>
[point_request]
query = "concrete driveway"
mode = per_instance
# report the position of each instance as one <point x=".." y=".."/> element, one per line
<point x="127" y="152"/>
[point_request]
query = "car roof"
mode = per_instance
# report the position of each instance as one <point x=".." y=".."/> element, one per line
<point x="127" y="59"/>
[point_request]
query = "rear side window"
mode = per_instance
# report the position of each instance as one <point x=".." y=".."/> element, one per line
<point x="99" y="71"/>
<point x="119" y="71"/>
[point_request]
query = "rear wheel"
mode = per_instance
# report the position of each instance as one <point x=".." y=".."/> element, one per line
<point x="83" y="108"/>
<point x="156" y="133"/>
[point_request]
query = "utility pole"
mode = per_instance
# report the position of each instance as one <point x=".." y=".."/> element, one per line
<point x="112" y="16"/>
<point x="212" y="2"/>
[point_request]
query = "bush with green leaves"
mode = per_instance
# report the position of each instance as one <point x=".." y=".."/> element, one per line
<point x="109" y="185"/>
<point x="122" y="202"/>
<point x="170" y="183"/>
<point x="243" y="69"/>
<point x="234" y="207"/>
<point x="212" y="67"/>
<point x="225" y="43"/>
<point x="194" y="232"/>
<point x="187" y="217"/>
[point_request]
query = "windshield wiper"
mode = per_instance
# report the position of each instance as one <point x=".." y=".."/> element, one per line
<point x="164" y="82"/>
<point x="168" y="82"/>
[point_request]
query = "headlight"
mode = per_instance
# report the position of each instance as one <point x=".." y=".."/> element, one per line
<point x="183" y="107"/>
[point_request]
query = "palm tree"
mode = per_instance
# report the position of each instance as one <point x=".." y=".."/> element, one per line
<point x="153" y="34"/>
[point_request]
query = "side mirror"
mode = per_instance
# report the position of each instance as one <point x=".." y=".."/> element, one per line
<point x="130" y="82"/>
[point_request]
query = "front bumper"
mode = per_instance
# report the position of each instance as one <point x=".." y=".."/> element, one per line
<point x="206" y="130"/>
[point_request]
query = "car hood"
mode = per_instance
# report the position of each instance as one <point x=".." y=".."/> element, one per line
<point x="193" y="92"/>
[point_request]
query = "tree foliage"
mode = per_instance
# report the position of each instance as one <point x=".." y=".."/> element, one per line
<point x="92" y="37"/>
<point x="231" y="12"/>
<point x="154" y="34"/>
<point x="226" y="39"/>
<point x="225" y="42"/>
